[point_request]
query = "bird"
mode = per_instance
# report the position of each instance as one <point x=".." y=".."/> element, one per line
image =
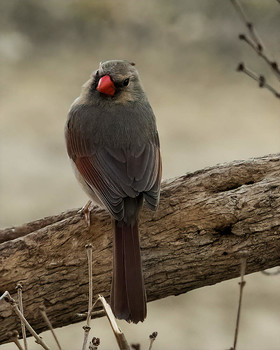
<point x="113" y="144"/>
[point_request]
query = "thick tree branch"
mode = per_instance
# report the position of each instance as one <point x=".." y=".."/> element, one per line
<point x="205" y="222"/>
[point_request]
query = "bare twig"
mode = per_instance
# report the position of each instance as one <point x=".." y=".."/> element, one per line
<point x="20" y="304"/>
<point x="86" y="333"/>
<point x="90" y="292"/>
<point x="86" y="328"/>
<point x="260" y="79"/>
<point x="152" y="339"/>
<point x="94" y="314"/>
<point x="45" y="317"/>
<point x="273" y="65"/>
<point x="248" y="24"/>
<point x="242" y="285"/>
<point x="7" y="297"/>
<point x="121" y="340"/>
<point x="13" y="336"/>
<point x="120" y="337"/>
<point x="255" y="42"/>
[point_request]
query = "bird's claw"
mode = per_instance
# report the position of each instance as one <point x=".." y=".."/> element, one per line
<point x="86" y="210"/>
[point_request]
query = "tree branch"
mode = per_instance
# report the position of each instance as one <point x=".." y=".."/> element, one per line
<point x="205" y="221"/>
<point x="259" y="78"/>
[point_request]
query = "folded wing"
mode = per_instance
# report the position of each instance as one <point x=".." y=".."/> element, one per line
<point x="116" y="173"/>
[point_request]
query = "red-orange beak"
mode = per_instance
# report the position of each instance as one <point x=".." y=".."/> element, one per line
<point x="106" y="86"/>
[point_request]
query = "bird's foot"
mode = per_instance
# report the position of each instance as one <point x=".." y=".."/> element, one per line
<point x="86" y="210"/>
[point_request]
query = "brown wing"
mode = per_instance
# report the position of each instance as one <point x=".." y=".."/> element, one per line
<point x="116" y="173"/>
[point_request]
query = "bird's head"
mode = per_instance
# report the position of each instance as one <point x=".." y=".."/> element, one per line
<point x="117" y="81"/>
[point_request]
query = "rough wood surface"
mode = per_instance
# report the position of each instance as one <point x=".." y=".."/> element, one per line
<point x="206" y="220"/>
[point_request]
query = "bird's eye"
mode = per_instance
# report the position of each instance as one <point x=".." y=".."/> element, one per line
<point x="125" y="82"/>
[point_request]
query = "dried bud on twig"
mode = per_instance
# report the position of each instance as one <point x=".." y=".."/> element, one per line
<point x="152" y="339"/>
<point x="240" y="67"/>
<point x="93" y="345"/>
<point x="135" y="346"/>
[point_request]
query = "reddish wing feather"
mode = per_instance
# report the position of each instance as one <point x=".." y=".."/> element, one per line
<point x="114" y="174"/>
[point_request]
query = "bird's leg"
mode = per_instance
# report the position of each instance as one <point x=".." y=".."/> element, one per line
<point x="86" y="209"/>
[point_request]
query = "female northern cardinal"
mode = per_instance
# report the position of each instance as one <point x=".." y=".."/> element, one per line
<point x="113" y="143"/>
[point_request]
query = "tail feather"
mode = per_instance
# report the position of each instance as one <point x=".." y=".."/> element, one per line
<point x="128" y="298"/>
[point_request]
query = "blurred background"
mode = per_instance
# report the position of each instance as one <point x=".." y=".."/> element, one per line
<point x="186" y="53"/>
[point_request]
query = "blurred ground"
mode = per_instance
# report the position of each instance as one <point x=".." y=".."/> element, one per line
<point x="186" y="53"/>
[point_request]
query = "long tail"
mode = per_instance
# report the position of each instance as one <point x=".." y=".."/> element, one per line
<point x="128" y="297"/>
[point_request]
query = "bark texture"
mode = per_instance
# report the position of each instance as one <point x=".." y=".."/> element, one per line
<point x="205" y="223"/>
